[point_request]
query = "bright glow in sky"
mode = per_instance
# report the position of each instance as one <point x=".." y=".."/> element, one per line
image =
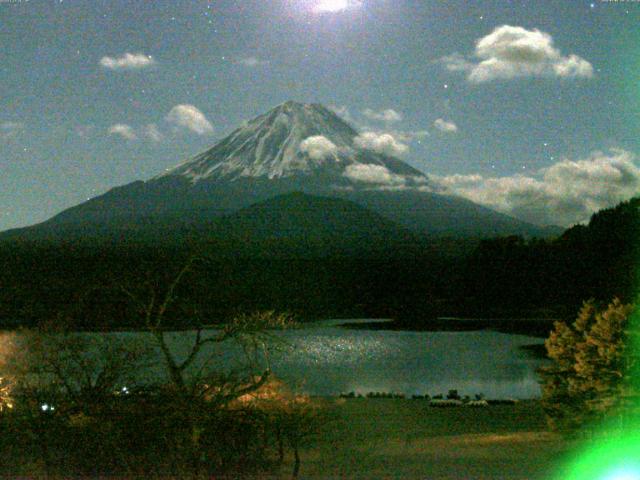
<point x="332" y="6"/>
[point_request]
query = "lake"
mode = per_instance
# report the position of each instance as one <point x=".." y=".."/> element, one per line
<point x="323" y="358"/>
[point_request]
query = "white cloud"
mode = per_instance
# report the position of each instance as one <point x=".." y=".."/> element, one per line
<point x="383" y="143"/>
<point x="335" y="6"/>
<point x="510" y="52"/>
<point x="190" y="117"/>
<point x="10" y="129"/>
<point x="445" y="126"/>
<point x="565" y="193"/>
<point x="375" y="174"/>
<point x="251" y="62"/>
<point x="123" y="130"/>
<point x="318" y="147"/>
<point x="389" y="115"/>
<point x="128" y="61"/>
<point x="152" y="132"/>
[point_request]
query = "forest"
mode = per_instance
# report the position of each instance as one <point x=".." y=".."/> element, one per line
<point x="506" y="277"/>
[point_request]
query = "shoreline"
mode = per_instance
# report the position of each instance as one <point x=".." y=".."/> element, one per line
<point x="534" y="327"/>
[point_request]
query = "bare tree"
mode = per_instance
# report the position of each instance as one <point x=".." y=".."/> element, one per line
<point x="197" y="384"/>
<point x="251" y="331"/>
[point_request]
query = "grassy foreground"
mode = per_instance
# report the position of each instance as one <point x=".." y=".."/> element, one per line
<point x="395" y="438"/>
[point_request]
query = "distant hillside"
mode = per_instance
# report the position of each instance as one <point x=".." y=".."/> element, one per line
<point x="311" y="226"/>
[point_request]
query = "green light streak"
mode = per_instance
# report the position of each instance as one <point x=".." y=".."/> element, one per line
<point x="610" y="459"/>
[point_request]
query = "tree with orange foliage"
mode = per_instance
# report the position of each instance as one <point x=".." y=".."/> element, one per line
<point x="589" y="379"/>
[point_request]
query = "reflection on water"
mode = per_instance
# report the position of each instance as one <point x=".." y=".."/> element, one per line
<point x="331" y="360"/>
<point x="324" y="359"/>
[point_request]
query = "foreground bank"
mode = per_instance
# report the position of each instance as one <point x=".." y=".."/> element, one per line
<point x="393" y="438"/>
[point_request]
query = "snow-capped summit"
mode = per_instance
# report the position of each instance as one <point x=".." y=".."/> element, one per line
<point x="292" y="139"/>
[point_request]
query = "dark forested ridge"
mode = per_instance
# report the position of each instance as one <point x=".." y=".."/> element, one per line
<point x="336" y="260"/>
<point x="598" y="261"/>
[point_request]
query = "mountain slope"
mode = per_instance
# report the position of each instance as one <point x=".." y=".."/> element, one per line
<point x="433" y="214"/>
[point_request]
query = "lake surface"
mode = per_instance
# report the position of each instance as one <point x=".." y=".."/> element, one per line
<point x="323" y="358"/>
<point x="329" y="359"/>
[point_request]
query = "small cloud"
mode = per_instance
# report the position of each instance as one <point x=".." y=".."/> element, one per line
<point x="318" y="147"/>
<point x="10" y="129"/>
<point x="149" y="131"/>
<point x="189" y="117"/>
<point x="152" y="132"/>
<point x="566" y="193"/>
<point x="128" y="61"/>
<point x="445" y="126"/>
<point x="251" y="62"/>
<point x="511" y="52"/>
<point x="123" y="130"/>
<point x="389" y="115"/>
<point x="383" y="143"/>
<point x="456" y="63"/>
<point x="374" y="174"/>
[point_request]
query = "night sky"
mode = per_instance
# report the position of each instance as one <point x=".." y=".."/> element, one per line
<point x="530" y="107"/>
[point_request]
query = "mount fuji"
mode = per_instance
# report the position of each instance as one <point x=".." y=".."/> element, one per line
<point x="294" y="147"/>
